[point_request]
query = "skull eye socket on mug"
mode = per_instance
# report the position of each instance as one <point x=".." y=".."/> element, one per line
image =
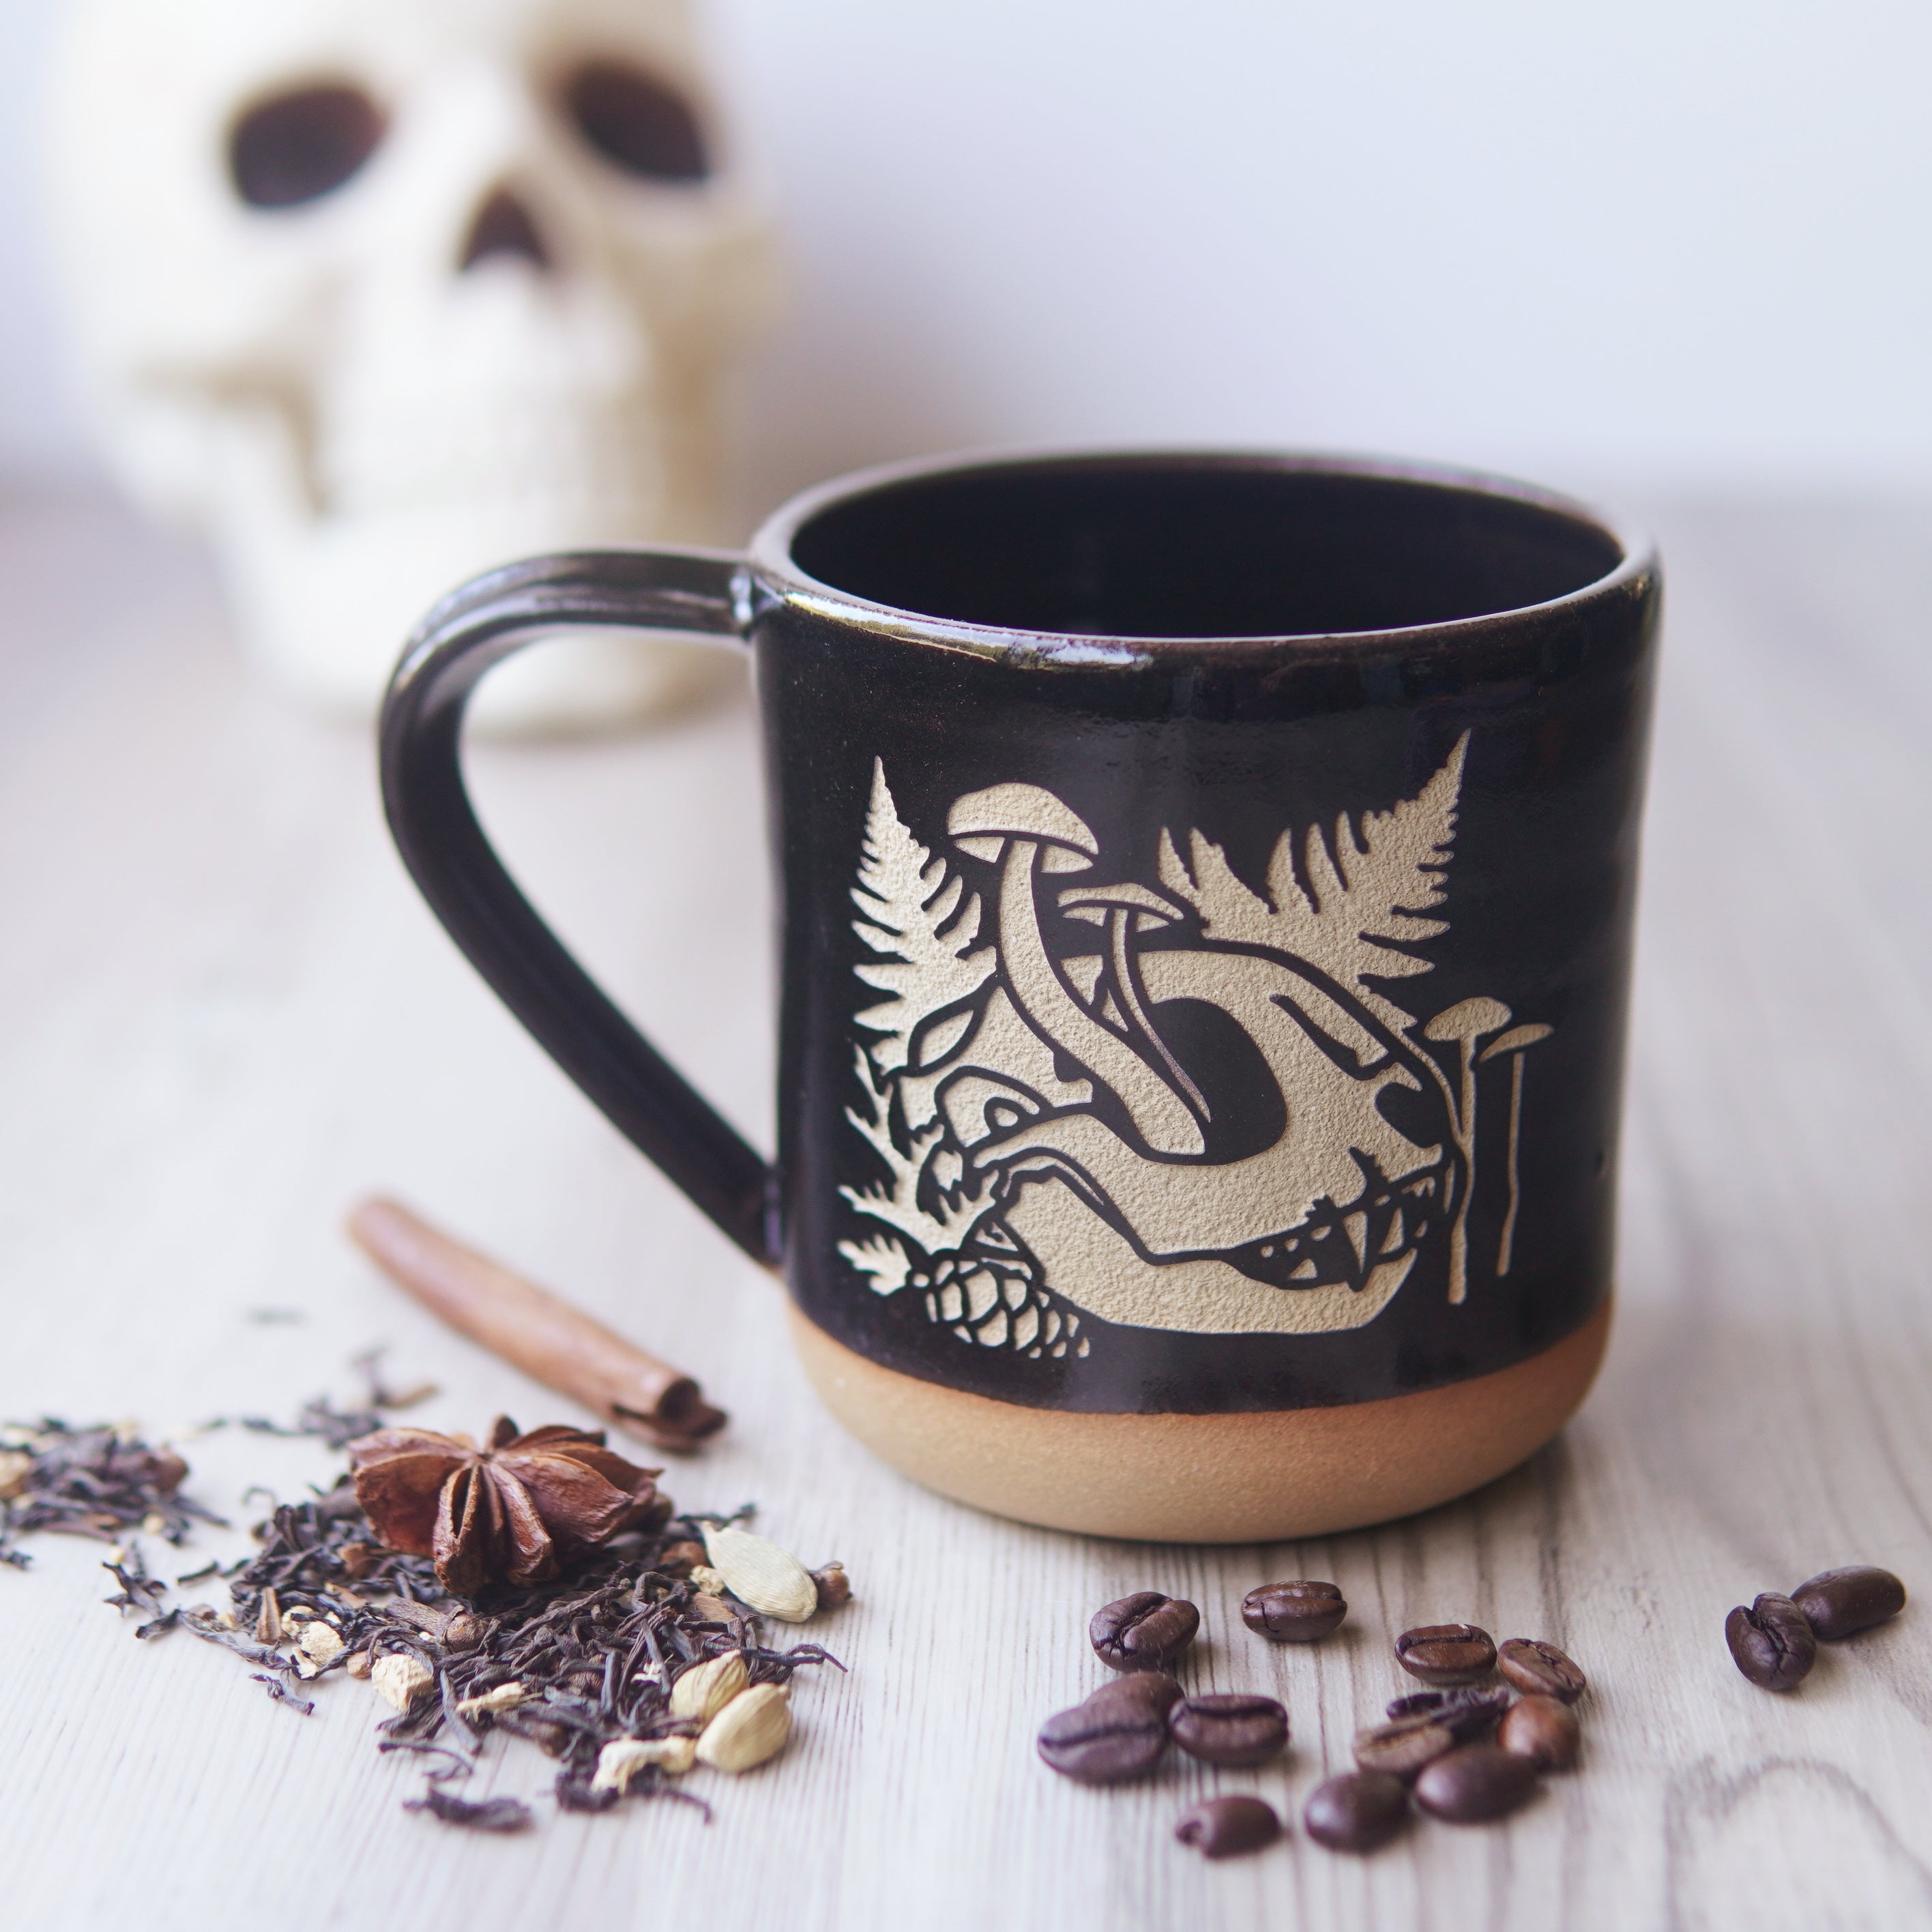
<point x="299" y="146"/>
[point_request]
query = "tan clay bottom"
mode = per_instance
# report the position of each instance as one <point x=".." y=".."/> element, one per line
<point x="1242" y="1478"/>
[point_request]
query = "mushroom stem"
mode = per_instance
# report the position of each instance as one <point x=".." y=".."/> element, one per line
<point x="1465" y="1023"/>
<point x="1125" y="978"/>
<point x="1506" y="1247"/>
<point x="1459" y="1231"/>
<point x="1158" y="1113"/>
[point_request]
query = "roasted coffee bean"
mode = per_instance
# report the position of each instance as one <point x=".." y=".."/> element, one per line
<point x="1840" y="1603"/>
<point x="1543" y="1729"/>
<point x="1118" y="1733"/>
<point x="1465" y="1714"/>
<point x="1225" y="1828"/>
<point x="1402" y="1748"/>
<point x="1540" y="1669"/>
<point x="1446" y="1654"/>
<point x="1771" y="1642"/>
<point x="1232" y="1729"/>
<point x="1478" y="1781"/>
<point x="1140" y="1690"/>
<point x="1293" y="1613"/>
<point x="1146" y="1631"/>
<point x="1357" y="1811"/>
<point x="1418" y="1704"/>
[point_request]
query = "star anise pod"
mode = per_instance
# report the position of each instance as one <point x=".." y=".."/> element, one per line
<point x="518" y="1511"/>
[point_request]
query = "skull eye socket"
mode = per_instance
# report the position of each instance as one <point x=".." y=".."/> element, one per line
<point x="299" y="146"/>
<point x="637" y="123"/>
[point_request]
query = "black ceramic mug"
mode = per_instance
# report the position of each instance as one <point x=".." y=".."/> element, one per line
<point x="1206" y="886"/>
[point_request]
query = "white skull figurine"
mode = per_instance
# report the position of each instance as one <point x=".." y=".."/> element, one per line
<point x="379" y="293"/>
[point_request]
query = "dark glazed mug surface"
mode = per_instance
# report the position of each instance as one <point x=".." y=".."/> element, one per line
<point x="1206" y="889"/>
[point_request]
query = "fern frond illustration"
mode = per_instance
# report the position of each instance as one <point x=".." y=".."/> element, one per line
<point x="1360" y="900"/>
<point x="912" y="917"/>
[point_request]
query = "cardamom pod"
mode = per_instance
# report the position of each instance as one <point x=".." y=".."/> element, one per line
<point x="402" y="1680"/>
<point x="752" y="1727"/>
<point x="705" y="1689"/>
<point x="757" y="1572"/>
<point x="620" y="1760"/>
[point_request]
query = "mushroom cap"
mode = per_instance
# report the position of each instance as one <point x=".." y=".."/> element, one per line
<point x="981" y="823"/>
<point x="1093" y="904"/>
<point x="1469" y="1019"/>
<point x="1516" y="1039"/>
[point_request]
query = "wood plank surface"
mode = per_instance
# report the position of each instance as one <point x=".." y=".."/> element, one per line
<point x="226" y="1016"/>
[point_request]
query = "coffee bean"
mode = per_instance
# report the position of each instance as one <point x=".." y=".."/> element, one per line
<point x="1293" y="1613"/>
<point x="1225" y="1828"/>
<point x="1418" y="1704"/>
<point x="1232" y="1729"/>
<point x="1465" y="1714"/>
<point x="1357" y="1811"/>
<point x="1119" y="1732"/>
<point x="1478" y="1782"/>
<point x="1146" y="1631"/>
<point x="1445" y="1654"/>
<point x="1771" y="1642"/>
<point x="1540" y="1670"/>
<point x="1400" y="1749"/>
<point x="1543" y="1729"/>
<point x="1840" y="1603"/>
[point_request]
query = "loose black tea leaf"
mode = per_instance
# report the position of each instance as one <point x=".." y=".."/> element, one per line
<point x="485" y="1814"/>
<point x="139" y="1591"/>
<point x="280" y="1693"/>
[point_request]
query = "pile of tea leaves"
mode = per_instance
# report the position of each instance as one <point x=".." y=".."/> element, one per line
<point x="102" y="1481"/>
<point x="569" y="1666"/>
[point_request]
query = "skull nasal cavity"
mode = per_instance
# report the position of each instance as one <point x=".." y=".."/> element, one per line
<point x="504" y="227"/>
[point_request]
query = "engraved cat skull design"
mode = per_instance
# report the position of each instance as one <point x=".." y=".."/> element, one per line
<point x="1166" y="1106"/>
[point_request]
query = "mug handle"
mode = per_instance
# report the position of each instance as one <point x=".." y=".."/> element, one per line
<point x="458" y="872"/>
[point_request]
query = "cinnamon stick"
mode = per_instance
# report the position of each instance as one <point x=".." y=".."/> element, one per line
<point x="538" y="1332"/>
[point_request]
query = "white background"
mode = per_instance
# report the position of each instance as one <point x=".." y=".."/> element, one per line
<point x="1677" y="241"/>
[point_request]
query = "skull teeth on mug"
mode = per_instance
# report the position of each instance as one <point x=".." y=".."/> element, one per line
<point x="380" y="293"/>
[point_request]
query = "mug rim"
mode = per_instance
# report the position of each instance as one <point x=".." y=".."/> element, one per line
<point x="781" y="577"/>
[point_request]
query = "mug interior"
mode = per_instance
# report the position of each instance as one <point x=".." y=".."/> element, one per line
<point x="1198" y="547"/>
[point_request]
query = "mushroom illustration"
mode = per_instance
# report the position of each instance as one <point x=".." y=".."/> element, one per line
<point x="1464" y="1023"/>
<point x="1033" y="833"/>
<point x="1119" y="907"/>
<point x="1513" y="1042"/>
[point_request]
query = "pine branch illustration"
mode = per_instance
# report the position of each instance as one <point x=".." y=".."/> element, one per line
<point x="912" y="917"/>
<point x="1360" y="902"/>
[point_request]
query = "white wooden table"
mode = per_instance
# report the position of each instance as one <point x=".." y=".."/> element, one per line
<point x="226" y="1015"/>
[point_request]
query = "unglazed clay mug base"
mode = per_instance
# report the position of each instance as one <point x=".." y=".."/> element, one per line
<point x="1257" y="1476"/>
<point x="1206" y="886"/>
